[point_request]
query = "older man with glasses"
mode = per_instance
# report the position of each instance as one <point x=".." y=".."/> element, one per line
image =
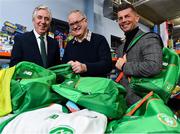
<point x="88" y="53"/>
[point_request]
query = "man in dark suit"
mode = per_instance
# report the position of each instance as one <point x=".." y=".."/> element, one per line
<point x="144" y="58"/>
<point x="36" y="46"/>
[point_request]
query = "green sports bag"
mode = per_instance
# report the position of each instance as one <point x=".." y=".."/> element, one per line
<point x="163" y="83"/>
<point x="30" y="87"/>
<point x="63" y="71"/>
<point x="97" y="94"/>
<point x="153" y="116"/>
<point x="94" y="93"/>
<point x="26" y="72"/>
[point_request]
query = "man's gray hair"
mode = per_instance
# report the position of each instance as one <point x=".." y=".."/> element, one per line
<point x="78" y="11"/>
<point x="41" y="7"/>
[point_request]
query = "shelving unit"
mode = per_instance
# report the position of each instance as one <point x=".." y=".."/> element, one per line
<point x="4" y="61"/>
<point x="5" y="54"/>
<point x="60" y="30"/>
<point x="7" y="34"/>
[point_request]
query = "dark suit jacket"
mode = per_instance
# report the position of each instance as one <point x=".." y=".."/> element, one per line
<point x="26" y="49"/>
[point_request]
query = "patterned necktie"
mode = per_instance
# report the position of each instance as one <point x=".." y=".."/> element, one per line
<point x="43" y="51"/>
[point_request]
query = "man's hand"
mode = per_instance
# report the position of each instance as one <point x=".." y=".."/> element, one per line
<point x="120" y="62"/>
<point x="78" y="67"/>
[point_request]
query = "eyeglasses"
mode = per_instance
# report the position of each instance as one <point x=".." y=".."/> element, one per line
<point x="76" y="22"/>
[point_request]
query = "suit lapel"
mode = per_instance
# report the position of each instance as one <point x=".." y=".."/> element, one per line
<point x="49" y="48"/>
<point x="35" y="44"/>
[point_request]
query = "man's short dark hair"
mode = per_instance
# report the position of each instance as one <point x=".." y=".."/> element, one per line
<point x="124" y="6"/>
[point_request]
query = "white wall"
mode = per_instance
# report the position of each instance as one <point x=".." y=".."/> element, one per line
<point x="164" y="33"/>
<point x="144" y="28"/>
<point x="104" y="25"/>
<point x="107" y="27"/>
<point x="20" y="11"/>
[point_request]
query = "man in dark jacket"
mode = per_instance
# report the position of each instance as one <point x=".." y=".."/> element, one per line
<point x="144" y="58"/>
<point x="88" y="53"/>
<point x="36" y="46"/>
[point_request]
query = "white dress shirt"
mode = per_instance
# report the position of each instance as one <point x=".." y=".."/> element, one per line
<point x="38" y="40"/>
